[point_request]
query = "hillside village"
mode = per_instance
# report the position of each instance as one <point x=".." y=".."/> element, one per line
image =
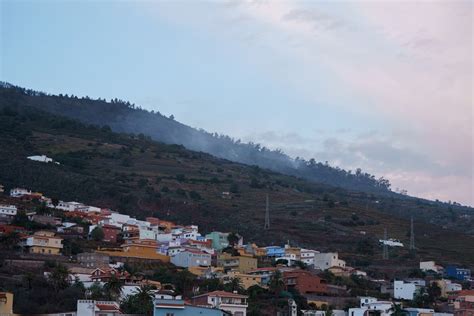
<point x="122" y="265"/>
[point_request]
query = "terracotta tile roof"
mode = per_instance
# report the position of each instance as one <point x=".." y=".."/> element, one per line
<point x="108" y="226"/>
<point x="108" y="307"/>
<point x="196" y="251"/>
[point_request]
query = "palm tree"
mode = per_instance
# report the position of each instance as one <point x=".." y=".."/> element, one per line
<point x="59" y="277"/>
<point x="139" y="303"/>
<point x="113" y="288"/>
<point x="234" y="285"/>
<point x="397" y="310"/>
<point x="233" y="239"/>
<point x="276" y="283"/>
<point x="96" y="292"/>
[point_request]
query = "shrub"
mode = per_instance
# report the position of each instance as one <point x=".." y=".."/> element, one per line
<point x="194" y="195"/>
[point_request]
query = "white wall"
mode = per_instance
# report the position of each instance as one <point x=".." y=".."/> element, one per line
<point x="327" y="260"/>
<point x="402" y="290"/>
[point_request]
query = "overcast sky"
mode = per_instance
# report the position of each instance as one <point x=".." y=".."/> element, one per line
<point x="382" y="85"/>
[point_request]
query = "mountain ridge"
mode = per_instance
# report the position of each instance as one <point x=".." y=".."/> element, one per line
<point x="122" y="116"/>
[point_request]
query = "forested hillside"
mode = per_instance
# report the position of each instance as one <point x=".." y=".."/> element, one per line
<point x="136" y="175"/>
<point x="122" y="116"/>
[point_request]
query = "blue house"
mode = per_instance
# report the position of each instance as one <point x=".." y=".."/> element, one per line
<point x="166" y="304"/>
<point x="275" y="251"/>
<point x="457" y="273"/>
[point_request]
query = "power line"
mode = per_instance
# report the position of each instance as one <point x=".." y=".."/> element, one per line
<point x="267" y="214"/>
<point x="412" y="235"/>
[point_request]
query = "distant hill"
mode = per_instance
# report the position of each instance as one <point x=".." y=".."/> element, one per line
<point x="122" y="116"/>
<point x="138" y="176"/>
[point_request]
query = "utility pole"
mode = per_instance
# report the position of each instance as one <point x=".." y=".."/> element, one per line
<point x="385" y="247"/>
<point x="267" y="214"/>
<point x="412" y="235"/>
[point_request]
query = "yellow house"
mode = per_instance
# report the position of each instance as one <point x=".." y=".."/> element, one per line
<point x="136" y="248"/>
<point x="242" y="264"/>
<point x="200" y="271"/>
<point x="6" y="303"/>
<point x="44" y="242"/>
<point x="293" y="251"/>
<point x="247" y="280"/>
<point x="243" y="253"/>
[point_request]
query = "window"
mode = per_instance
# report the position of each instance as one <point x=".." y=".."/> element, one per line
<point x="169" y="314"/>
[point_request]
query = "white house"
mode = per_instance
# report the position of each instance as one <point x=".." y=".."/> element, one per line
<point x="97" y="308"/>
<point x="307" y="256"/>
<point x="19" y="192"/>
<point x="368" y="304"/>
<point x="391" y="242"/>
<point x="289" y="257"/>
<point x="146" y="233"/>
<point x="191" y="258"/>
<point x="41" y="158"/>
<point x="453" y="287"/>
<point x="406" y="290"/>
<point x="164" y="238"/>
<point x="430" y="266"/>
<point x="234" y="303"/>
<point x="327" y="260"/>
<point x="68" y="206"/>
<point x="8" y="210"/>
<point x="189" y="233"/>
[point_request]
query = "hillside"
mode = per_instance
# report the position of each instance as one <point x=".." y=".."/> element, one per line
<point x="136" y="175"/>
<point x="122" y="116"/>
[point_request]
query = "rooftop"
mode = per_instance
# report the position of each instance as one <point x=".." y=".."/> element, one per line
<point x="222" y="294"/>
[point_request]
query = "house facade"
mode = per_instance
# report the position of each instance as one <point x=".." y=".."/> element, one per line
<point x="324" y="261"/>
<point x="191" y="258"/>
<point x="110" y="233"/>
<point x="242" y="264"/>
<point x="219" y="240"/>
<point x="426" y="266"/>
<point x="44" y="242"/>
<point x="97" y="308"/>
<point x="371" y="306"/>
<point x="6" y="303"/>
<point x="305" y="282"/>
<point x="275" y="251"/>
<point x="168" y="304"/>
<point x="307" y="256"/>
<point x="19" y="192"/>
<point x="405" y="290"/>
<point x="458" y="273"/>
<point x="93" y="259"/>
<point x="7" y="212"/>
<point x="235" y="304"/>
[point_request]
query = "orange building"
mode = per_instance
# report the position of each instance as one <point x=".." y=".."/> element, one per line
<point x="135" y="248"/>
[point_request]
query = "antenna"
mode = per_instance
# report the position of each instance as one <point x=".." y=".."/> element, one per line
<point x="385" y="247"/>
<point x="412" y="235"/>
<point x="267" y="214"/>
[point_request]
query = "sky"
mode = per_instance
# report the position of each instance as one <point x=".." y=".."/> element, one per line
<point x="386" y="86"/>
